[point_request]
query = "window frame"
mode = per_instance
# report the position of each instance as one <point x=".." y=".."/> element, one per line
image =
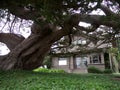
<point x="83" y="62"/>
<point x="92" y="59"/>
<point x="65" y="60"/>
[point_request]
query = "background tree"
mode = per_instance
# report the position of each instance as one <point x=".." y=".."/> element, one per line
<point x="51" y="21"/>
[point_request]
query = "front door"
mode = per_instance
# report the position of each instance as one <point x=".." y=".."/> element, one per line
<point x="81" y="62"/>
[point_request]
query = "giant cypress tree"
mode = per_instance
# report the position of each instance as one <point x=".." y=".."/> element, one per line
<point x="52" y="19"/>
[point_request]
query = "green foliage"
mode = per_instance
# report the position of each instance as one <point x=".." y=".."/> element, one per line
<point x="41" y="70"/>
<point x="94" y="70"/>
<point x="107" y="71"/>
<point x="113" y="50"/>
<point x="56" y="71"/>
<point x="47" y="61"/>
<point x="118" y="57"/>
<point x="45" y="70"/>
<point x="27" y="80"/>
<point x="98" y="71"/>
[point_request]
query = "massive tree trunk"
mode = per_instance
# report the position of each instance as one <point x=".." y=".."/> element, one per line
<point x="28" y="53"/>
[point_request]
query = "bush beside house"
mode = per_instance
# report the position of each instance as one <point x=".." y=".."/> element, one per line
<point x="98" y="71"/>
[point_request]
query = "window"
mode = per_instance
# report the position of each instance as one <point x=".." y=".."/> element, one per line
<point x="78" y="62"/>
<point x="81" y="62"/>
<point x="96" y="58"/>
<point x="80" y="41"/>
<point x="62" y="61"/>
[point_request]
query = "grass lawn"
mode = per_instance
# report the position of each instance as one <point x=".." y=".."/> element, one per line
<point x="26" y="80"/>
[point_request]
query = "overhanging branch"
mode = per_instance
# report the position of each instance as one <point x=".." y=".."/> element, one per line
<point x="106" y="10"/>
<point x="10" y="39"/>
<point x="97" y="19"/>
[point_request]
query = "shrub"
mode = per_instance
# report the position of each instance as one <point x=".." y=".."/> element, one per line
<point x="94" y="70"/>
<point x="56" y="71"/>
<point x="107" y="71"/>
<point x="41" y="70"/>
<point x="47" y="61"/>
<point x="49" y="70"/>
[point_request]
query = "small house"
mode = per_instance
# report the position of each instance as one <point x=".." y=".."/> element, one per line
<point x="79" y="62"/>
<point x="74" y="60"/>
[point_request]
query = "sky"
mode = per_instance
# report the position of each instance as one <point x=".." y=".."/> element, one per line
<point x="24" y="31"/>
<point x="4" y="50"/>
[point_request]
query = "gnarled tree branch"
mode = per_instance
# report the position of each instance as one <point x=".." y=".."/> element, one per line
<point x="106" y="10"/>
<point x="11" y="40"/>
<point x="98" y="20"/>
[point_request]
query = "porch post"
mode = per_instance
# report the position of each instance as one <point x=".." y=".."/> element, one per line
<point x="102" y="58"/>
<point x="71" y="63"/>
<point x="110" y="59"/>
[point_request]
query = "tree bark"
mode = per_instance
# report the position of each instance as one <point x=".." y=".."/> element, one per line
<point x="29" y="54"/>
<point x="11" y="40"/>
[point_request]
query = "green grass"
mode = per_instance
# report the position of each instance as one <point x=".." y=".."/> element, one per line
<point x="26" y="80"/>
